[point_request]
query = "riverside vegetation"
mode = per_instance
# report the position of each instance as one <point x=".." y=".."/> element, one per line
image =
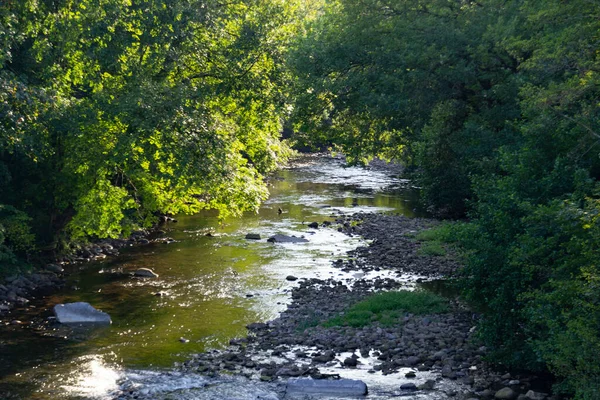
<point x="114" y="112"/>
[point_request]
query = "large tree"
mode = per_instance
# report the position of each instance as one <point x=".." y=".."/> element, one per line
<point x="115" y="111"/>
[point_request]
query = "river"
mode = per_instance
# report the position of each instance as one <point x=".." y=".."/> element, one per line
<point x="213" y="283"/>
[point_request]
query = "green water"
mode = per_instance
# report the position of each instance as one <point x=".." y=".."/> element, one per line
<point x="213" y="285"/>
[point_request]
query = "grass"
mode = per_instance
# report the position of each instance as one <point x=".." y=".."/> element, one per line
<point x="433" y="248"/>
<point x="385" y="308"/>
<point x="444" y="232"/>
<point x="436" y="238"/>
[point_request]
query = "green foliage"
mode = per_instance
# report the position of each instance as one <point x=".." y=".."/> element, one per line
<point x="417" y="81"/>
<point x="495" y="105"/>
<point x="385" y="308"/>
<point x="113" y="112"/>
<point x="16" y="240"/>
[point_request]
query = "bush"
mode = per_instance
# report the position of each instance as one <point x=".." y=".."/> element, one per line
<point x="16" y="240"/>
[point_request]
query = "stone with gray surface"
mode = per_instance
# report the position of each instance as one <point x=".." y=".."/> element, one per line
<point x="80" y="312"/>
<point x="339" y="387"/>
<point x="286" y="239"/>
<point x="145" y="273"/>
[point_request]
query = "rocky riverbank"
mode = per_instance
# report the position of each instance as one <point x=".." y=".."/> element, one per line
<point x="20" y="290"/>
<point x="435" y="354"/>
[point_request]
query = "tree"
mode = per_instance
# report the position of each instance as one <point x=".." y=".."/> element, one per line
<point x="117" y="111"/>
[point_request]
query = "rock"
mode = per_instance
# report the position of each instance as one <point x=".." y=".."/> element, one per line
<point x="145" y="273"/>
<point x="410" y="374"/>
<point x="350" y="362"/>
<point x="340" y="387"/>
<point x="253" y="236"/>
<point x="506" y="394"/>
<point x="447" y="372"/>
<point x="291" y="278"/>
<point x="427" y="385"/>
<point x="286" y="239"/>
<point x="514" y="382"/>
<point x="325" y="357"/>
<point x="54" y="268"/>
<point x="535" y="395"/>
<point x="412" y="360"/>
<point x="184" y="340"/>
<point x="313" y="225"/>
<point x="80" y="312"/>
<point x="255" y="326"/>
<point x="408" y="386"/>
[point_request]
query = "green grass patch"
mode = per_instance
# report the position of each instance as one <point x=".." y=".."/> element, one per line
<point x="442" y="233"/>
<point x="433" y="248"/>
<point x="386" y="308"/>
<point x="437" y="240"/>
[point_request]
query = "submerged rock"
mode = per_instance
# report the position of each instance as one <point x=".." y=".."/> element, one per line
<point x="57" y="269"/>
<point x="339" y="387"/>
<point x="145" y="273"/>
<point x="253" y="236"/>
<point x="409" y="387"/>
<point x="80" y="312"/>
<point x="286" y="239"/>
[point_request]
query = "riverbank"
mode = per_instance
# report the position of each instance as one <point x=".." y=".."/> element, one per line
<point x="436" y="354"/>
<point x="19" y="290"/>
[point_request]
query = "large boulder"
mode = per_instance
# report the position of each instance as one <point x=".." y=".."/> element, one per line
<point x="286" y="239"/>
<point x="323" y="387"/>
<point x="80" y="312"/>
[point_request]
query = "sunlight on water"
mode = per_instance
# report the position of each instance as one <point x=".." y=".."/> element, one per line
<point x="93" y="379"/>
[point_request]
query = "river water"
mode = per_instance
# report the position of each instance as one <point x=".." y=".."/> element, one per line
<point x="213" y="282"/>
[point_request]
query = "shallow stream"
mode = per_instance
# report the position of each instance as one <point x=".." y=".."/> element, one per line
<point x="213" y="283"/>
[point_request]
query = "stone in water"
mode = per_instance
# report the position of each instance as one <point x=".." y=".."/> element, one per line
<point x="80" y="312"/>
<point x="339" y="387"/>
<point x="145" y="273"/>
<point x="286" y="239"/>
